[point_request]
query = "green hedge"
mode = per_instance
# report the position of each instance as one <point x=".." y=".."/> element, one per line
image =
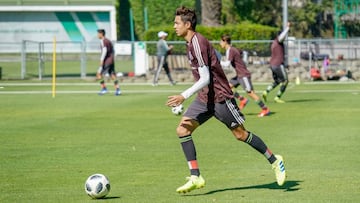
<point x="244" y="31"/>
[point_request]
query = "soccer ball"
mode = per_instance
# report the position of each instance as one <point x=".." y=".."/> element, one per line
<point x="177" y="110"/>
<point x="97" y="186"/>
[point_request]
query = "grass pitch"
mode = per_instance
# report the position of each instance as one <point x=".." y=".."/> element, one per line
<point x="50" y="146"/>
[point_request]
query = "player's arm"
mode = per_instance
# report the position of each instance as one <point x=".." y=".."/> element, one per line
<point x="283" y="34"/>
<point x="225" y="63"/>
<point x="103" y="55"/>
<point x="203" y="81"/>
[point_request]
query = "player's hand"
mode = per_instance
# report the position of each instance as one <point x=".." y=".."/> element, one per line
<point x="175" y="100"/>
<point x="101" y="64"/>
<point x="288" y="24"/>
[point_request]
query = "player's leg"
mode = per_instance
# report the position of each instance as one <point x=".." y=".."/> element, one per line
<point x="271" y="86"/>
<point x="230" y="115"/>
<point x="249" y="88"/>
<point x="114" y="78"/>
<point x="160" y="60"/>
<point x="99" y="76"/>
<point x="167" y="71"/>
<point x="196" y="114"/>
<point x="283" y="78"/>
<point x="276" y="161"/>
<point x="234" y="83"/>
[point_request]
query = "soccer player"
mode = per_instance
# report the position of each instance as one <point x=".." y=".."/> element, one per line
<point x="163" y="51"/>
<point x="243" y="75"/>
<point x="107" y="64"/>
<point x="214" y="98"/>
<point x="278" y="67"/>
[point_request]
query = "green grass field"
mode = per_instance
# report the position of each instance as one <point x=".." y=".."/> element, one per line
<point x="65" y="68"/>
<point x="49" y="146"/>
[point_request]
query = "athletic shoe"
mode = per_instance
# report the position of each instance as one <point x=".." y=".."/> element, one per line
<point x="103" y="91"/>
<point x="172" y="83"/>
<point x="279" y="169"/>
<point x="264" y="112"/>
<point x="243" y="103"/>
<point x="278" y="100"/>
<point x="264" y="96"/>
<point x="194" y="182"/>
<point x="117" y="92"/>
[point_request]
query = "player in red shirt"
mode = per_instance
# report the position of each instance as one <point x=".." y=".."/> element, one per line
<point x="278" y="67"/>
<point x="214" y="98"/>
<point x="243" y="75"/>
<point x="107" y="63"/>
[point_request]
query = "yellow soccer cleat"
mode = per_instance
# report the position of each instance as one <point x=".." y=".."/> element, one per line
<point x="279" y="169"/>
<point x="278" y="100"/>
<point x="194" y="182"/>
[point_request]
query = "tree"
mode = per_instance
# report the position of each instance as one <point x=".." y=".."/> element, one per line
<point x="211" y="12"/>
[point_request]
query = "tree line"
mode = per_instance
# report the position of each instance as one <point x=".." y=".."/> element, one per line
<point x="310" y="18"/>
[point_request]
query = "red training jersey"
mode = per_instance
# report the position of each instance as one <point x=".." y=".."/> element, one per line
<point x="277" y="53"/>
<point x="234" y="56"/>
<point x="201" y="53"/>
<point x="109" y="58"/>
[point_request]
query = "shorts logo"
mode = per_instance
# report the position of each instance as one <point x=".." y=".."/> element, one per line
<point x="233" y="124"/>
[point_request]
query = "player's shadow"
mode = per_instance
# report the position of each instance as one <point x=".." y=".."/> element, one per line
<point x="272" y="113"/>
<point x="289" y="186"/>
<point x="303" y="100"/>
<point x="109" y="197"/>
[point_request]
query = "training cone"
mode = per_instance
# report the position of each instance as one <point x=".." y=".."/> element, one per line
<point x="297" y="80"/>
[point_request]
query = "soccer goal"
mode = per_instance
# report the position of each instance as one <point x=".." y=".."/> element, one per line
<point x="37" y="59"/>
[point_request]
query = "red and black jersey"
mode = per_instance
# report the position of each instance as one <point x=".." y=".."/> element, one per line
<point x="277" y="53"/>
<point x="109" y="58"/>
<point x="234" y="56"/>
<point x="201" y="53"/>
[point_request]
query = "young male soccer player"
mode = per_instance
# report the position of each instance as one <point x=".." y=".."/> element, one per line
<point x="243" y="75"/>
<point x="214" y="98"/>
<point x="278" y="67"/>
<point x="107" y="64"/>
<point x="162" y="53"/>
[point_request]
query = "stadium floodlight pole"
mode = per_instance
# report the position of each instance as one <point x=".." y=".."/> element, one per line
<point x="54" y="69"/>
<point x="285" y="22"/>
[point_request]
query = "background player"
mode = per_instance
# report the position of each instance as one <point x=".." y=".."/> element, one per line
<point x="277" y="66"/>
<point x="243" y="75"/>
<point x="107" y="63"/>
<point x="214" y="98"/>
<point x="162" y="53"/>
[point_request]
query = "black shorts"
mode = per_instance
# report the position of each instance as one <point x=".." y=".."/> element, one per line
<point x="245" y="83"/>
<point x="227" y="112"/>
<point x="279" y="73"/>
<point x="110" y="69"/>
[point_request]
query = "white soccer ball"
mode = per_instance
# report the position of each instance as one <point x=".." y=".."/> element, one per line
<point x="177" y="110"/>
<point x="97" y="186"/>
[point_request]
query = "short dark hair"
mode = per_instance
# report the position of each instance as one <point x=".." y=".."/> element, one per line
<point x="226" y="38"/>
<point x="187" y="15"/>
<point x="102" y="31"/>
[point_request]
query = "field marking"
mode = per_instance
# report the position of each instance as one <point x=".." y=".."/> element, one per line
<point x="156" y="91"/>
<point x="165" y="84"/>
<point x="17" y="92"/>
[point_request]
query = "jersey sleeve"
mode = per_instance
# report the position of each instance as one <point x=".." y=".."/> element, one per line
<point x="201" y="51"/>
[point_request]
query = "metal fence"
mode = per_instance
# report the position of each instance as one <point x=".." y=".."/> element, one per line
<point x="33" y="60"/>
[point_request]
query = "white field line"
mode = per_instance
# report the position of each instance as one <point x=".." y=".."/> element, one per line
<point x="291" y="86"/>
<point x="163" y="84"/>
<point x="155" y="91"/>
